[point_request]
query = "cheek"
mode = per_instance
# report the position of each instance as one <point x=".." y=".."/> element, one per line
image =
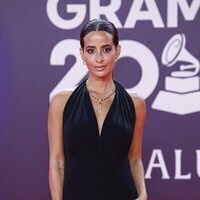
<point x="89" y="58"/>
<point x="110" y="58"/>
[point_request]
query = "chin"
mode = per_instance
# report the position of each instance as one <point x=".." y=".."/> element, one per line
<point x="102" y="74"/>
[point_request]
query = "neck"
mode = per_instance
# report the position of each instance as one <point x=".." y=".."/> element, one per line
<point x="100" y="85"/>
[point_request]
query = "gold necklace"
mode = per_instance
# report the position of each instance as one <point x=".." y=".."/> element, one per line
<point x="101" y="100"/>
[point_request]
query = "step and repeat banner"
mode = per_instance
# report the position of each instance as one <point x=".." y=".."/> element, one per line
<point x="39" y="49"/>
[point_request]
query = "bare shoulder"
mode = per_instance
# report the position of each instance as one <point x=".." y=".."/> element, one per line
<point x="138" y="100"/>
<point x="139" y="103"/>
<point x="59" y="100"/>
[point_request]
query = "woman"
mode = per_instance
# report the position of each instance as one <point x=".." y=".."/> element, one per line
<point x="95" y="132"/>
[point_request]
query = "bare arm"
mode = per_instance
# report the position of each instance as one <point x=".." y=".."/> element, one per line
<point x="135" y="152"/>
<point x="56" y="151"/>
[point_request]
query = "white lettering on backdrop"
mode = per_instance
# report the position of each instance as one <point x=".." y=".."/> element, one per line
<point x="135" y="14"/>
<point x="189" y="12"/>
<point x="157" y="161"/>
<point x="157" y="154"/>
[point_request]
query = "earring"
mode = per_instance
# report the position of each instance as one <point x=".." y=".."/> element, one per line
<point x="84" y="62"/>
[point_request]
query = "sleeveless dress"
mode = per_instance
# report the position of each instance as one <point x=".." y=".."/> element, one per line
<point x="97" y="166"/>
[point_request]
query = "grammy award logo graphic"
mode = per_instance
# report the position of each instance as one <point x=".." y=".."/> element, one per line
<point x="182" y="88"/>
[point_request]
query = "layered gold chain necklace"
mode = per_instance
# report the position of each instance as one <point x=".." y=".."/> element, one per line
<point x="101" y="100"/>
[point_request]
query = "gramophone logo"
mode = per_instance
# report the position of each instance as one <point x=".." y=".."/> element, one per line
<point x="182" y="88"/>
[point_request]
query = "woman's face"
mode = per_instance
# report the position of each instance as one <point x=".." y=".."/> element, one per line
<point x="99" y="53"/>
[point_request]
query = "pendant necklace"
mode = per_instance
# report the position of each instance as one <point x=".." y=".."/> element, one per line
<point x="100" y="100"/>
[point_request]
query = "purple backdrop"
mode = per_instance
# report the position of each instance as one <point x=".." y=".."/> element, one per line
<point x="39" y="46"/>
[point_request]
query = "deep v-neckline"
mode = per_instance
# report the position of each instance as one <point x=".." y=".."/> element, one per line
<point x="100" y="132"/>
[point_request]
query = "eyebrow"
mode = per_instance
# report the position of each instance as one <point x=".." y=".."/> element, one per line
<point x="106" y="45"/>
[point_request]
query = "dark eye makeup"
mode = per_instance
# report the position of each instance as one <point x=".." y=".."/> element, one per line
<point x="90" y="50"/>
<point x="105" y="49"/>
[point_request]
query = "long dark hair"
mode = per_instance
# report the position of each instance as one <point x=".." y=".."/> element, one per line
<point x="99" y="25"/>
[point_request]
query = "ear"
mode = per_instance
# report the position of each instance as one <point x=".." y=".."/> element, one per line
<point x="82" y="54"/>
<point x="118" y="51"/>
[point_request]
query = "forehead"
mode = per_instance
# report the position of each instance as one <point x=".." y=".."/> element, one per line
<point x="95" y="38"/>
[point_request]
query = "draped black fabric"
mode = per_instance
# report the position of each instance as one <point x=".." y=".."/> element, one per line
<point x="97" y="166"/>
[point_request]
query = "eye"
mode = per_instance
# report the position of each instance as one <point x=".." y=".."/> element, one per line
<point x="90" y="51"/>
<point x="107" y="49"/>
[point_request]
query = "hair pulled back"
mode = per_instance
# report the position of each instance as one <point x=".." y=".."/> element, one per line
<point x="99" y="25"/>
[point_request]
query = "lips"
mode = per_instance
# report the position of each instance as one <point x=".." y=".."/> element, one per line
<point x="100" y="68"/>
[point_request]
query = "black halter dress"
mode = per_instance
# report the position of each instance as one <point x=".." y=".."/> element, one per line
<point x="97" y="165"/>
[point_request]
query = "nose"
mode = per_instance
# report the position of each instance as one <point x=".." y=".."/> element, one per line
<point x="99" y="57"/>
